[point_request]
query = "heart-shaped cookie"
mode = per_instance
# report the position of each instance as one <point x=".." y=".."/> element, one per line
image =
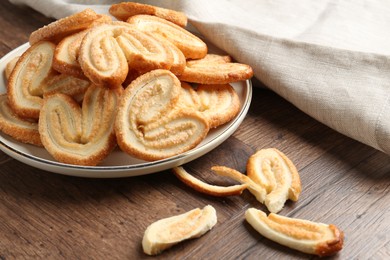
<point x="150" y="125"/>
<point x="79" y="135"/>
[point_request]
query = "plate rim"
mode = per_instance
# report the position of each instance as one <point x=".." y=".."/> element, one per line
<point x="179" y="159"/>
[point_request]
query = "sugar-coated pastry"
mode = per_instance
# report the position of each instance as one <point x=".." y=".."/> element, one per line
<point x="167" y="232"/>
<point x="189" y="98"/>
<point x="150" y="125"/>
<point x="109" y="50"/>
<point x="80" y="135"/>
<point x="61" y="28"/>
<point x="215" y="71"/>
<point x="274" y="171"/>
<point x="302" y="235"/>
<point x="219" y="103"/>
<point x="10" y="67"/>
<point x="66" y="84"/>
<point x="66" y="53"/>
<point x="124" y="10"/>
<point x="191" y="46"/>
<point x="21" y="129"/>
<point x="25" y="85"/>
<point x="203" y="187"/>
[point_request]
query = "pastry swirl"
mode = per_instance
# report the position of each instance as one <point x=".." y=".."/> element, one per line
<point x="21" y="129"/>
<point x="191" y="46"/>
<point x="303" y="235"/>
<point x="25" y="85"/>
<point x="273" y="170"/>
<point x="61" y="28"/>
<point x="150" y="125"/>
<point x="215" y="70"/>
<point x="109" y="50"/>
<point x="124" y="10"/>
<point x="79" y="135"/>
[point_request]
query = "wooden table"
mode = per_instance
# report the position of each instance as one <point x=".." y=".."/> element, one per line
<point x="51" y="216"/>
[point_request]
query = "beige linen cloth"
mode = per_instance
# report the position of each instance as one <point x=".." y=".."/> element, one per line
<point x="329" y="58"/>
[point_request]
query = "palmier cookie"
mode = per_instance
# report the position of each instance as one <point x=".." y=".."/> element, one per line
<point x="215" y="71"/>
<point x="66" y="53"/>
<point x="61" y="28"/>
<point x="124" y="10"/>
<point x="299" y="234"/>
<point x="25" y="85"/>
<point x="149" y="124"/>
<point x="22" y="130"/>
<point x="67" y="85"/>
<point x="79" y="135"/>
<point x="274" y="171"/>
<point x="109" y="50"/>
<point x="218" y="103"/>
<point x="191" y="46"/>
<point x="10" y="67"/>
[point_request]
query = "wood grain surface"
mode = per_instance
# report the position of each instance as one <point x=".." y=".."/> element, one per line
<point x="49" y="216"/>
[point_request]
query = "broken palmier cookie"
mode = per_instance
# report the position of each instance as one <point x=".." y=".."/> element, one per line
<point x="258" y="191"/>
<point x="80" y="135"/>
<point x="21" y="129"/>
<point x="25" y="85"/>
<point x="61" y="28"/>
<point x="122" y="11"/>
<point x="191" y="46"/>
<point x="67" y="85"/>
<point x="274" y="171"/>
<point x="302" y="235"/>
<point x="167" y="232"/>
<point x="215" y="71"/>
<point x="150" y="125"/>
<point x="109" y="50"/>
<point x="206" y="188"/>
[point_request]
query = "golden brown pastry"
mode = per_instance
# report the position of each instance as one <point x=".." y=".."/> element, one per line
<point x="67" y="85"/>
<point x="272" y="170"/>
<point x="79" y="135"/>
<point x="167" y="232"/>
<point x="213" y="70"/>
<point x="218" y="103"/>
<point x="109" y="50"/>
<point x="258" y="191"/>
<point x="66" y="54"/>
<point x="189" y="98"/>
<point x="25" y="85"/>
<point x="22" y="130"/>
<point x="124" y="10"/>
<point x="214" y="190"/>
<point x="150" y="125"/>
<point x="61" y="28"/>
<point x="191" y="46"/>
<point x="303" y="235"/>
<point x="10" y="67"/>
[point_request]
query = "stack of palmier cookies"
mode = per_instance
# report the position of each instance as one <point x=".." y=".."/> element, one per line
<point x="89" y="82"/>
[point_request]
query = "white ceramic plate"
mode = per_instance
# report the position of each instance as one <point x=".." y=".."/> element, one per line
<point x="118" y="164"/>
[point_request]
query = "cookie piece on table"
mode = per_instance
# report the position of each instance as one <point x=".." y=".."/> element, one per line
<point x="302" y="235"/>
<point x="274" y="171"/>
<point x="167" y="232"/>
